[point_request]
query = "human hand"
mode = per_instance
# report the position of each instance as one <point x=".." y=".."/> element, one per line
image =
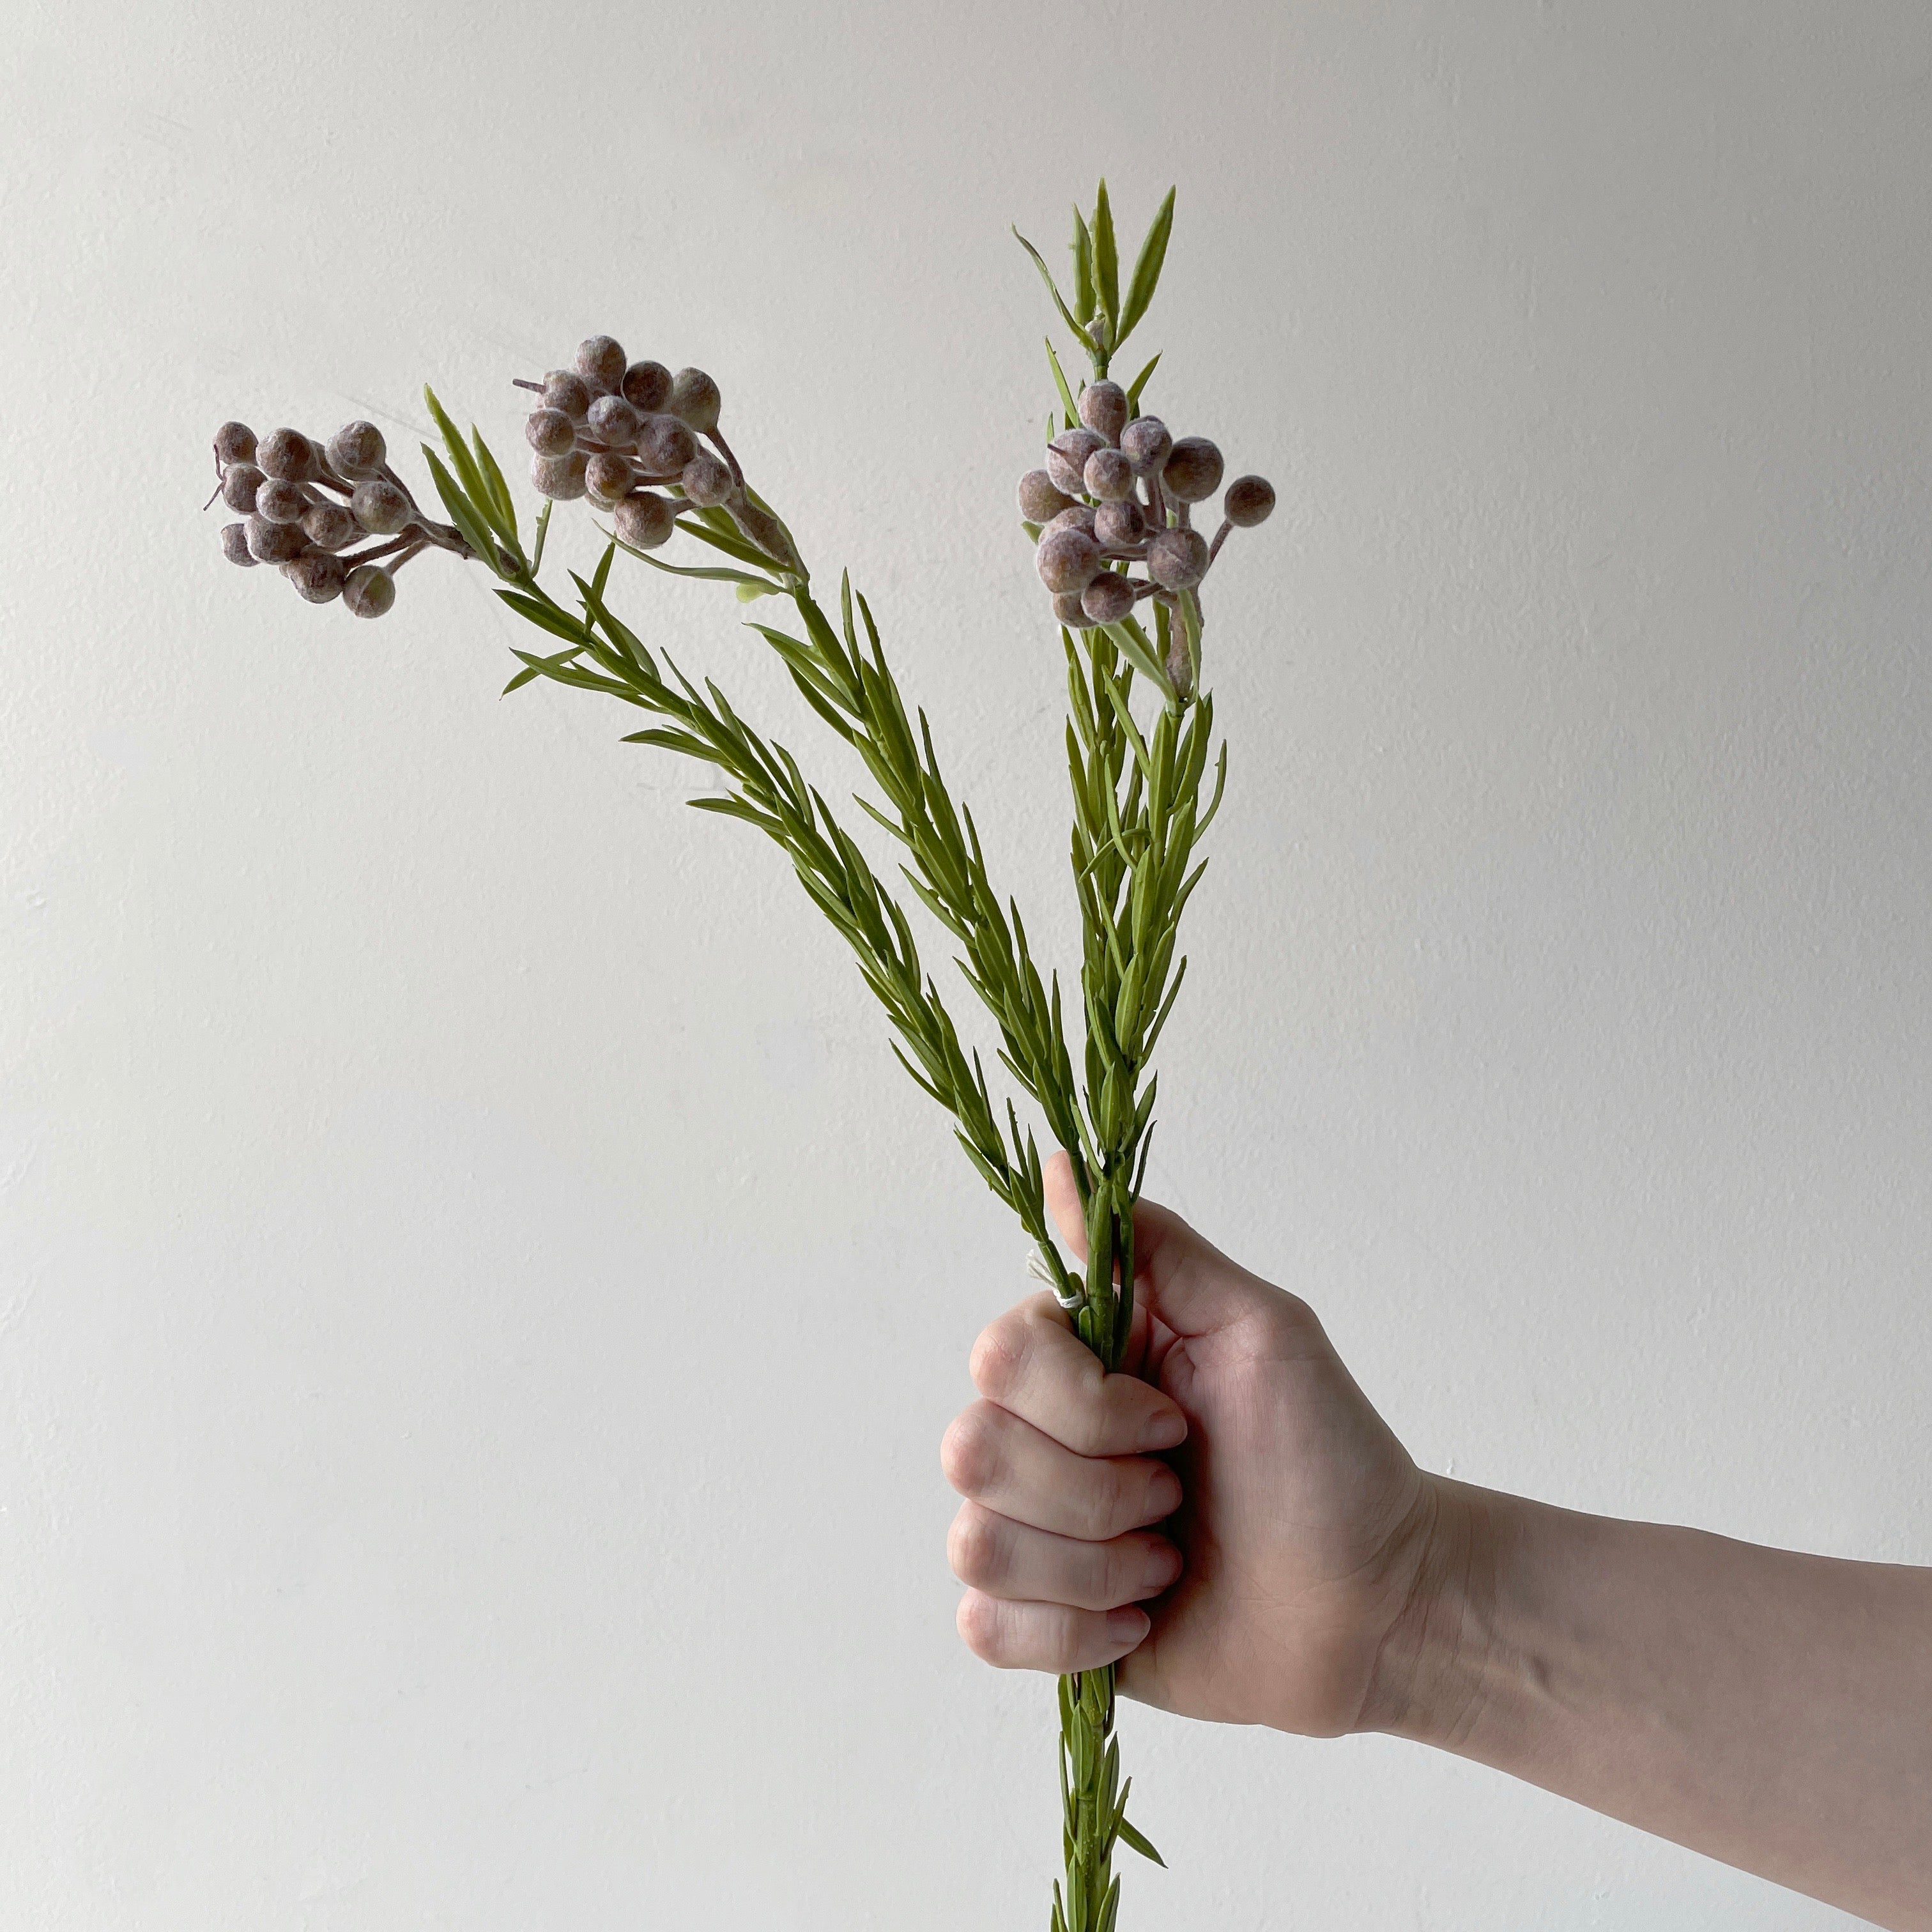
<point x="1274" y="1549"/>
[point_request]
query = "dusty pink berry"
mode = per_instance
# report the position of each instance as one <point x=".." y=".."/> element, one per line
<point x="1120" y="525"/>
<point x="694" y="399"/>
<point x="239" y="482"/>
<point x="561" y="478"/>
<point x="1067" y="460"/>
<point x="647" y="387"/>
<point x="601" y="360"/>
<point x="1066" y="560"/>
<point x="1249" y="501"/>
<point x="614" y="421"/>
<point x="706" y="482"/>
<point x="357" y="450"/>
<point x="608" y="478"/>
<point x="564" y="389"/>
<point x="1193" y="471"/>
<point x="1103" y="408"/>
<point x="1041" y="498"/>
<point x="1108" y="599"/>
<point x="1069" y="609"/>
<point x="369" y="591"/>
<point x="288" y="454"/>
<point x="235" y="545"/>
<point x="664" y="446"/>
<point x="235" y="442"/>
<point x="1075" y="517"/>
<point x="1177" y="559"/>
<point x="1109" y="476"/>
<point x="281" y="501"/>
<point x="1145" y="443"/>
<point x="329" y="526"/>
<point x="550" y="432"/>
<point x="645" y="519"/>
<point x="379" y="506"/>
<point x="318" y="576"/>
<point x="274" y="543"/>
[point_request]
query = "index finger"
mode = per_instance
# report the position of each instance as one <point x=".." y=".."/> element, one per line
<point x="1030" y="1362"/>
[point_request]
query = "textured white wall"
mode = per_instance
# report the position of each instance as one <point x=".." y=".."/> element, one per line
<point x="478" y="1302"/>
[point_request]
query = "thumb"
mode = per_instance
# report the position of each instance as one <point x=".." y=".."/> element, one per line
<point x="1179" y="1276"/>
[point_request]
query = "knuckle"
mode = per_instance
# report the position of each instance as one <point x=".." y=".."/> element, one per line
<point x="975" y="1545"/>
<point x="969" y="1453"/>
<point x="982" y="1627"/>
<point x="1105" y="1500"/>
<point x="997" y="1357"/>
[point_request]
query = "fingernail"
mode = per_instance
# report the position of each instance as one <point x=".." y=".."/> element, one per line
<point x="1168" y="1429"/>
<point x="1163" y="1566"/>
<point x="1164" y="1493"/>
<point x="1127" y="1626"/>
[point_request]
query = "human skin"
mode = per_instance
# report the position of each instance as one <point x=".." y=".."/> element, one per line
<point x="1231" y="1522"/>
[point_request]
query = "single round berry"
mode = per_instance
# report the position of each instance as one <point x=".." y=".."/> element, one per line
<point x="695" y="397"/>
<point x="613" y="422"/>
<point x="288" y="454"/>
<point x="1109" y="476"/>
<point x="1108" y="599"/>
<point x="379" y="506"/>
<point x="281" y="501"/>
<point x="1067" y="460"/>
<point x="561" y="478"/>
<point x="1071" y="612"/>
<point x="235" y="442"/>
<point x="1249" y="501"/>
<point x="564" y="389"/>
<point x="1103" y="408"/>
<point x="239" y="482"/>
<point x="647" y="387"/>
<point x="645" y="519"/>
<point x="328" y="526"/>
<point x="357" y="450"/>
<point x="1193" y="471"/>
<point x="274" y="543"/>
<point x="1145" y="443"/>
<point x="1120" y="525"/>
<point x="549" y="432"/>
<point x="1066" y="560"/>
<point x="664" y="446"/>
<point x="601" y="360"/>
<point x="318" y="576"/>
<point x="235" y="545"/>
<point x="369" y="591"/>
<point x="608" y="478"/>
<point x="1177" y="559"/>
<point x="706" y="480"/>
<point x="1075" y="517"/>
<point x="1041" y="498"/>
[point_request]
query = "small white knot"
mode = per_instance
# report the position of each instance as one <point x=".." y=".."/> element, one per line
<point x="1038" y="1267"/>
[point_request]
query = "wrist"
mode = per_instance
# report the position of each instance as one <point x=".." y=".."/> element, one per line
<point x="1433" y="1676"/>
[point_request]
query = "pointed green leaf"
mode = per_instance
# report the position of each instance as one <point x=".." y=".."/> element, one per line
<point x="1132" y="644"/>
<point x="1066" y="390"/>
<point x="462" y="513"/>
<point x="558" y="622"/>
<point x="465" y="464"/>
<point x="1106" y="265"/>
<point x="1139" y="383"/>
<point x="1083" y="269"/>
<point x="543" y="531"/>
<point x="1146" y="269"/>
<point x="498" y="490"/>
<point x="1059" y="302"/>
<point x="1141" y="1843"/>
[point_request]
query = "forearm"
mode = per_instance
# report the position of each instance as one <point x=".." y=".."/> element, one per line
<point x="1771" y="1709"/>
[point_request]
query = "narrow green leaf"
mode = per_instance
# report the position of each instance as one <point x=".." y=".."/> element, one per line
<point x="1141" y="1843"/>
<point x="462" y="513"/>
<point x="1059" y="301"/>
<point x="1083" y="269"/>
<point x="1139" y="383"/>
<point x="1106" y="265"/>
<point x="1065" y="391"/>
<point x="1132" y="642"/>
<point x="729" y="541"/>
<point x="543" y="531"/>
<point x="560" y="623"/>
<point x="464" y="463"/>
<point x="712" y="573"/>
<point x="1146" y="270"/>
<point x="736" y="808"/>
<point x="498" y="490"/>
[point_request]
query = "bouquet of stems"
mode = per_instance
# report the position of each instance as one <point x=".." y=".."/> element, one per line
<point x="1114" y="495"/>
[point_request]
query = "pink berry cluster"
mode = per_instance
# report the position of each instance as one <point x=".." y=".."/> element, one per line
<point x="1120" y="490"/>
<point x="626" y="433"/>
<point x="306" y="502"/>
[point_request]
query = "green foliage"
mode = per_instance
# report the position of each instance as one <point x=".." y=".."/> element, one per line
<point x="1099" y="317"/>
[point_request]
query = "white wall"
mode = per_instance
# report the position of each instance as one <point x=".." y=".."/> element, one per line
<point x="478" y="1302"/>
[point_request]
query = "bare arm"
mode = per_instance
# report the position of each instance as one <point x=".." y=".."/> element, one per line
<point x="1771" y="1709"/>
<point x="1235" y="1525"/>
